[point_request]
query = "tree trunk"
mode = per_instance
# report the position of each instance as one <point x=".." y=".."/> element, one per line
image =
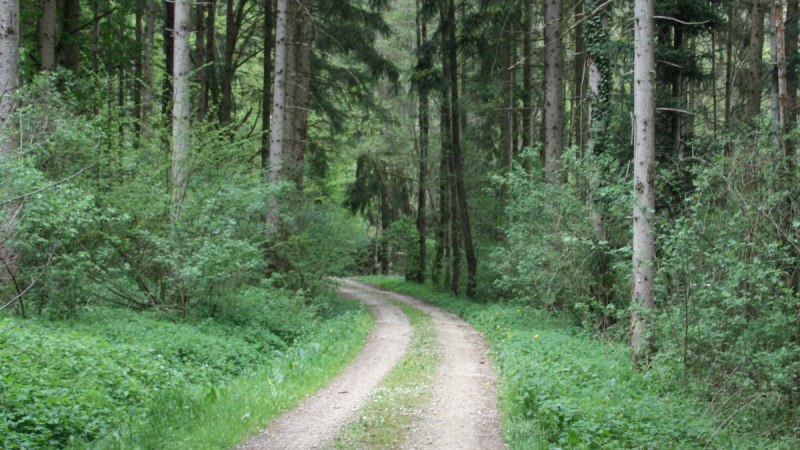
<point x="781" y="75"/>
<point x="169" y="56"/>
<point x="300" y="87"/>
<point x="792" y="36"/>
<point x="452" y="279"/>
<point x="9" y="79"/>
<point x="424" y="125"/>
<point x="579" y="73"/>
<point x="553" y="92"/>
<point x="773" y="74"/>
<point x="266" y="88"/>
<point x="200" y="61"/>
<point x="439" y="271"/>
<point x="280" y="111"/>
<point x="147" y="65"/>
<point x="753" y="88"/>
<point x="644" y="175"/>
<point x="386" y="222"/>
<point x="233" y="22"/>
<point x="137" y="60"/>
<point x="450" y="66"/>
<point x="96" y="34"/>
<point x="455" y="228"/>
<point x="507" y="129"/>
<point x="47" y="36"/>
<point x="211" y="55"/>
<point x="70" y="52"/>
<point x="180" y="106"/>
<point x="678" y="94"/>
<point x="527" y="77"/>
<point x="599" y="77"/>
<point x="729" y="78"/>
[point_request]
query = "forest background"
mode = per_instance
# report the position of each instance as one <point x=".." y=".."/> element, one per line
<point x="192" y="159"/>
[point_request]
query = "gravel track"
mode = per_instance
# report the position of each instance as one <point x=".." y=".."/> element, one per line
<point x="462" y="414"/>
<point x="315" y="422"/>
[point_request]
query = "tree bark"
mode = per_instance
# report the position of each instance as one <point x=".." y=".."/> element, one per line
<point x="579" y="74"/>
<point x="678" y="94"/>
<point x="96" y="34"/>
<point x="300" y="91"/>
<point x="527" y="77"/>
<point x="200" y="61"/>
<point x="599" y="99"/>
<point x="138" y="63"/>
<point x="729" y="78"/>
<point x="553" y="92"/>
<point x="450" y="63"/>
<point x="47" y="36"/>
<point x="181" y="109"/>
<point x="69" y="51"/>
<point x="266" y="88"/>
<point x="753" y="88"/>
<point x="792" y="35"/>
<point x="507" y="129"/>
<point x="279" y="118"/>
<point x="599" y="75"/>
<point x="147" y="65"/>
<point x="644" y="175"/>
<point x="9" y="79"/>
<point x="233" y="23"/>
<point x="424" y="125"/>
<point x="439" y="270"/>
<point x="169" y="56"/>
<point x="782" y="78"/>
<point x="212" y="85"/>
<point x="774" y="96"/>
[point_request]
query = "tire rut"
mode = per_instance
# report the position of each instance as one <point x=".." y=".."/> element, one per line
<point x="463" y="412"/>
<point x="316" y="420"/>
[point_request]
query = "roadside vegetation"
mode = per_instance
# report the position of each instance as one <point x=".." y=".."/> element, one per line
<point x="562" y="387"/>
<point x="115" y="378"/>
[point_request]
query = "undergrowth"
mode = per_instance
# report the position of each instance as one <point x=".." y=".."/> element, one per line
<point x="382" y="422"/>
<point x="561" y="388"/>
<point x="116" y="378"/>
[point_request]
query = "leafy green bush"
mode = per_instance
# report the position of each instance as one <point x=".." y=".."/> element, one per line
<point x="552" y="257"/>
<point x="320" y="240"/>
<point x="88" y="378"/>
<point x="726" y="312"/>
<point x="403" y="240"/>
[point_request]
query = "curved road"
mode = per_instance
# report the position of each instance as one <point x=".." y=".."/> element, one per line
<point x="462" y="414"/>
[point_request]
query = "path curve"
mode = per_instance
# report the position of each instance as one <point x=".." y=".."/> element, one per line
<point x="463" y="413"/>
<point x="317" y="420"/>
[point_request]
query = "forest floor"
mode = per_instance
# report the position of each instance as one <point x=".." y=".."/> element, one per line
<point x="460" y="413"/>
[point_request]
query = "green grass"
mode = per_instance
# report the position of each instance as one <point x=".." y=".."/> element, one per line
<point x="120" y="379"/>
<point x="383" y="421"/>
<point x="561" y="388"/>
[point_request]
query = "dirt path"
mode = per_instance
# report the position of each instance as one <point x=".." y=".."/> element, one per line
<point x="316" y="420"/>
<point x="462" y="414"/>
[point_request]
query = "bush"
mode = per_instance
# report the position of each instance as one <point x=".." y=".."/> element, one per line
<point x="551" y="257"/>
<point x="727" y="316"/>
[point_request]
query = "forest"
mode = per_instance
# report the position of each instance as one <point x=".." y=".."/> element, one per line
<point x="605" y="190"/>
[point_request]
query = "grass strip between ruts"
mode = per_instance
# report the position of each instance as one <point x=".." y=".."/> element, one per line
<point x="384" y="420"/>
